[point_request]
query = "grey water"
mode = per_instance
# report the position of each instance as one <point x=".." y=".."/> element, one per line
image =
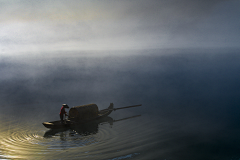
<point x="190" y="104"/>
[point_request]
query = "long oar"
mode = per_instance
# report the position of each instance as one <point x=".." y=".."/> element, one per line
<point x="121" y="108"/>
<point x="126" y="107"/>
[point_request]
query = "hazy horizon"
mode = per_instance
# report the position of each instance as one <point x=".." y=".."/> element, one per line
<point x="52" y="26"/>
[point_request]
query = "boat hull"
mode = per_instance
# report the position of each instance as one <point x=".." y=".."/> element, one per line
<point x="57" y="124"/>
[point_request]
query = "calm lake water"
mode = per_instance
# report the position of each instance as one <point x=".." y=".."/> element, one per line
<point x="190" y="105"/>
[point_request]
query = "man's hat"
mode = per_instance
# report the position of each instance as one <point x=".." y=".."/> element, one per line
<point x="65" y="105"/>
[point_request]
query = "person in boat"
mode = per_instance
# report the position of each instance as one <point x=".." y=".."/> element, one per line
<point x="63" y="112"/>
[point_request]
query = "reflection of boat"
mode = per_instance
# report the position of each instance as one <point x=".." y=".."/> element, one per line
<point x="85" y="129"/>
<point x="76" y="115"/>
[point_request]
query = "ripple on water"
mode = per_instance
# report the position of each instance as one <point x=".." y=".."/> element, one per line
<point x="19" y="140"/>
<point x="33" y="142"/>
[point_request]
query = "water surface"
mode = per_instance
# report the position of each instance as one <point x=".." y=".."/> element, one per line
<point x="190" y="105"/>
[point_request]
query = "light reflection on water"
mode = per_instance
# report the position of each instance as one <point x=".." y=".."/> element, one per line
<point x="19" y="140"/>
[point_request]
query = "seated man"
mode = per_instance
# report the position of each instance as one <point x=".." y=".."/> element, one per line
<point x="63" y="112"/>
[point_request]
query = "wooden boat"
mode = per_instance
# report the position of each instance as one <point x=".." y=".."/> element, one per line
<point x="72" y="121"/>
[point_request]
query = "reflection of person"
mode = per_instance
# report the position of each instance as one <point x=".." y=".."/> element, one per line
<point x="63" y="112"/>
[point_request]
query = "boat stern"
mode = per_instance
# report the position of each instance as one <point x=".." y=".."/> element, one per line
<point x="111" y="106"/>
